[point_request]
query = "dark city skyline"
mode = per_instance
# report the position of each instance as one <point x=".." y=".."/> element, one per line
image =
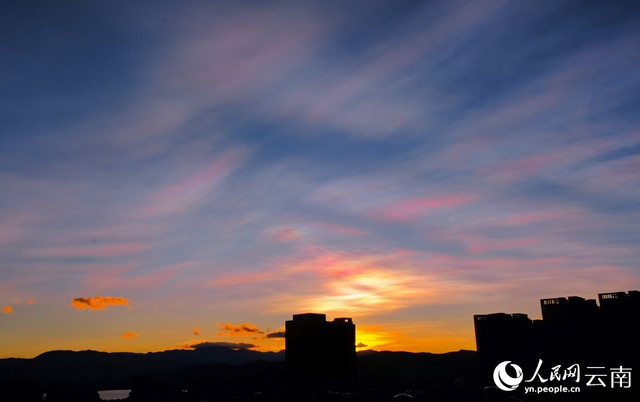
<point x="573" y="332"/>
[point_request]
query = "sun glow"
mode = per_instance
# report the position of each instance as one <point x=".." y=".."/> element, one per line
<point x="365" y="292"/>
<point x="369" y="338"/>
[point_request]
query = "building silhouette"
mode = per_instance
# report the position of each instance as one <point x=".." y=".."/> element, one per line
<point x="320" y="352"/>
<point x="573" y="330"/>
<point x="501" y="337"/>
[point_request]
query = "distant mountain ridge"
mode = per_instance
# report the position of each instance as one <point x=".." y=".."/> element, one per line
<point x="93" y="365"/>
<point x="221" y="372"/>
<point x="90" y="364"/>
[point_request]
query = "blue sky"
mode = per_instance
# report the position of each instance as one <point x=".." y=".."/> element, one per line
<point x="228" y="164"/>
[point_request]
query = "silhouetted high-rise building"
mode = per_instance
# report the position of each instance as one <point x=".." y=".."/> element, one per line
<point x="573" y="331"/>
<point x="620" y="327"/>
<point x="572" y="308"/>
<point x="620" y="304"/>
<point x="320" y="351"/>
<point x="501" y="337"/>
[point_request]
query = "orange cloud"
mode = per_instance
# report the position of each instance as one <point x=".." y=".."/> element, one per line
<point x="7" y="309"/>
<point x="240" y="330"/>
<point x="129" y="335"/>
<point x="98" y="302"/>
<point x="30" y="301"/>
<point x="196" y="331"/>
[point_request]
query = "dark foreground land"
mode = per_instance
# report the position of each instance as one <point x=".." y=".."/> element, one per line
<point x="221" y="374"/>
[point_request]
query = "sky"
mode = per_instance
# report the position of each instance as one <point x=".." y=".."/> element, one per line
<point x="176" y="174"/>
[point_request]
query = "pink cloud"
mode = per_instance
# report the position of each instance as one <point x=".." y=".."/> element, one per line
<point x="365" y="90"/>
<point x="326" y="280"/>
<point x="617" y="176"/>
<point x="17" y="227"/>
<point x="287" y="234"/>
<point x="242" y="278"/>
<point x="501" y="245"/>
<point x="101" y="277"/>
<point x="524" y="167"/>
<point x="311" y="232"/>
<point x="251" y="48"/>
<point x="533" y="217"/>
<point x="363" y="284"/>
<point x="414" y="209"/>
<point x="93" y="251"/>
<point x="177" y="197"/>
<point x="150" y="117"/>
<point x="337" y="228"/>
<point x="218" y="168"/>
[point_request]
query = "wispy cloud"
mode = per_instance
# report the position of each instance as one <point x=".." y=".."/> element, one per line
<point x="286" y="234"/>
<point x="413" y="209"/>
<point x="193" y="189"/>
<point x="101" y="251"/>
